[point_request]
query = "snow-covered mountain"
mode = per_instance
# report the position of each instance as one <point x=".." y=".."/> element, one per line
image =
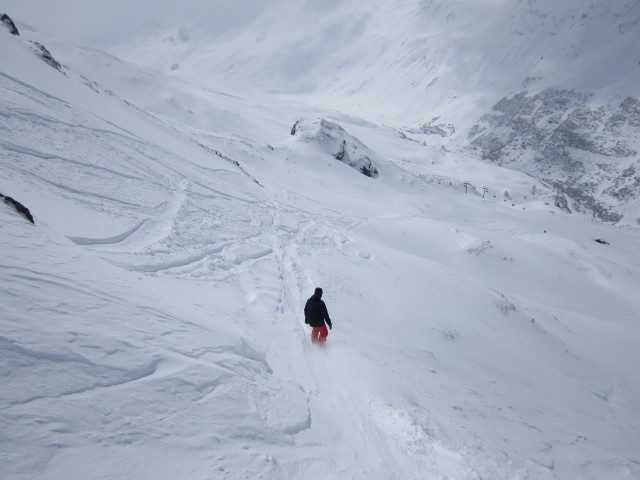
<point x="585" y="149"/>
<point x="190" y="173"/>
<point x="442" y="69"/>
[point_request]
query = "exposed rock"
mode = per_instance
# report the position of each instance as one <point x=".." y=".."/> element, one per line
<point x="432" y="127"/>
<point x="21" y="209"/>
<point x="584" y="148"/>
<point x="333" y="139"/>
<point x="9" y="24"/>
<point x="294" y="129"/>
<point x="47" y="57"/>
<point x="480" y="249"/>
<point x="561" y="202"/>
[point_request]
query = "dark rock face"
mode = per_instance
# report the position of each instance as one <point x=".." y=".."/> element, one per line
<point x="584" y="148"/>
<point x="9" y="24"/>
<point x="21" y="209"/>
<point x="47" y="57"/>
<point x="333" y="139"/>
<point x="294" y="129"/>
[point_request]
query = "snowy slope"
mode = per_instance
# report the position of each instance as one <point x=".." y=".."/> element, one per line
<point x="152" y="317"/>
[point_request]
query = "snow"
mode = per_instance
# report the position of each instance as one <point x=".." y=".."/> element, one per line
<point x="151" y="319"/>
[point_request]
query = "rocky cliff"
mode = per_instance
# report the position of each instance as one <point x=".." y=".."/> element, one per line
<point x="584" y="147"/>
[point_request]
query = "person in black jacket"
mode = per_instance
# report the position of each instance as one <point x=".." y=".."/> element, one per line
<point x="315" y="315"/>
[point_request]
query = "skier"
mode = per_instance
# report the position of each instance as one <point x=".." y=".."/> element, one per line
<point x="315" y="315"/>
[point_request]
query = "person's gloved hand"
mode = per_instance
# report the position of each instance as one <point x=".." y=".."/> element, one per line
<point x="330" y="326"/>
<point x="306" y="321"/>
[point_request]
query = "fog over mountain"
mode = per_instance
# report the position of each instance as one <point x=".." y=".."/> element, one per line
<point x="462" y="178"/>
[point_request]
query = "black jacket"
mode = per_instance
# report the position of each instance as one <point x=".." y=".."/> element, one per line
<point x="315" y="312"/>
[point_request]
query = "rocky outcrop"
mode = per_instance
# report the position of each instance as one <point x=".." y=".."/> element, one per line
<point x="333" y="139"/>
<point x="586" y="149"/>
<point x="21" y="209"/>
<point x="6" y="20"/>
<point x="46" y="56"/>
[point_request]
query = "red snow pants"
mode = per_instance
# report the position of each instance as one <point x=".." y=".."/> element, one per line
<point x="319" y="335"/>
